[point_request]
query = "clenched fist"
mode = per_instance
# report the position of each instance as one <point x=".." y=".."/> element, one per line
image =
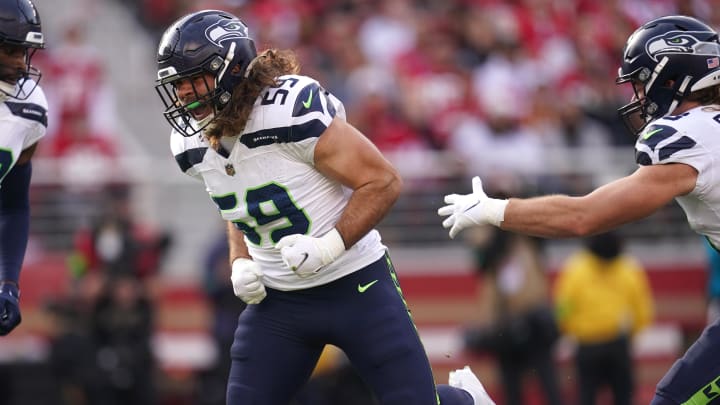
<point x="247" y="281"/>
<point x="306" y="255"/>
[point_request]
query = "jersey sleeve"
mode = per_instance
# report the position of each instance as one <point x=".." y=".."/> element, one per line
<point x="31" y="114"/>
<point x="188" y="152"/>
<point x="662" y="143"/>
<point x="296" y="112"/>
<point x="313" y="111"/>
<point x="314" y="103"/>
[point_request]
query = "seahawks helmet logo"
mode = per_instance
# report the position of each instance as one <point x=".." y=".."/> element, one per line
<point x="224" y="30"/>
<point x="677" y="42"/>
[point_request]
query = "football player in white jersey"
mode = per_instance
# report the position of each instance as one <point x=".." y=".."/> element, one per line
<point x="23" y="120"/>
<point x="302" y="191"/>
<point x="673" y="64"/>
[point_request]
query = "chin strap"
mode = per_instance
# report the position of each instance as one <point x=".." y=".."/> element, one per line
<point x="205" y="122"/>
<point x="250" y="65"/>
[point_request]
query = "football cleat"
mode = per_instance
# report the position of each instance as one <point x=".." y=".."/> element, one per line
<point x="465" y="379"/>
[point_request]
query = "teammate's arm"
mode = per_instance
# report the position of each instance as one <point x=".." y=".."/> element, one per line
<point x="14" y="233"/>
<point x="621" y="201"/>
<point x="346" y="155"/>
<point x="15" y="217"/>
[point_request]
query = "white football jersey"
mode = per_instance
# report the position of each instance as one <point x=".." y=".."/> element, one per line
<point x="267" y="184"/>
<point x="22" y="123"/>
<point x="692" y="138"/>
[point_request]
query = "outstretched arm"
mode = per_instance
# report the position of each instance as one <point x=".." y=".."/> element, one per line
<point x="624" y="200"/>
<point x="621" y="201"/>
<point x="14" y="232"/>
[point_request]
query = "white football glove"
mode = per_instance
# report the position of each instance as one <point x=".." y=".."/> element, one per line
<point x="306" y="255"/>
<point x="247" y="281"/>
<point x="472" y="209"/>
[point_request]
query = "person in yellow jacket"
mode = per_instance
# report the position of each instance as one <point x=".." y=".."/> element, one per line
<point x="602" y="299"/>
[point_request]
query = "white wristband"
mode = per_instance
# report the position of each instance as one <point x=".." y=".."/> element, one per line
<point x="334" y="243"/>
<point x="495" y="210"/>
<point x="242" y="262"/>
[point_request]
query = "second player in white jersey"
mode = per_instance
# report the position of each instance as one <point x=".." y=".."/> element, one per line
<point x="673" y="65"/>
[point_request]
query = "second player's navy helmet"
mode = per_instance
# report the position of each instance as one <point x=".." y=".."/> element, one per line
<point x="669" y="57"/>
<point x="208" y="41"/>
<point x="20" y="26"/>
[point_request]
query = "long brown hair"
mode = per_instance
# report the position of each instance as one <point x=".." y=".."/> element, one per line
<point x="706" y="96"/>
<point x="264" y="71"/>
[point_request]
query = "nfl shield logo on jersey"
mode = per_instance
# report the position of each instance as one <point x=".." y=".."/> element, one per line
<point x="230" y="169"/>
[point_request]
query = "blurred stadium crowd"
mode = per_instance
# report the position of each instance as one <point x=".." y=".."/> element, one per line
<point x="494" y="82"/>
<point x="520" y="92"/>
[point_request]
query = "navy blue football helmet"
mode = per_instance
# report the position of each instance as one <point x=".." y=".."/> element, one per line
<point x="208" y="41"/>
<point x="666" y="59"/>
<point x="20" y="27"/>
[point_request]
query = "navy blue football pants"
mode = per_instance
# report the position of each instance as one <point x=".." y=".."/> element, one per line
<point x="695" y="378"/>
<point x="278" y="342"/>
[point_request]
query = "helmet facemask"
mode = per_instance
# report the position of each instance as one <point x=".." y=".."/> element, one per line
<point x="191" y="117"/>
<point x="19" y="83"/>
<point x="651" y="99"/>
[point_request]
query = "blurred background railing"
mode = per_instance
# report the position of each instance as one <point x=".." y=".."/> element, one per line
<point x="64" y="202"/>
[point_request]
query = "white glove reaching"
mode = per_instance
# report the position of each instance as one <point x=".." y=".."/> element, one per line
<point x="247" y="281"/>
<point x="306" y="255"/>
<point x="472" y="209"/>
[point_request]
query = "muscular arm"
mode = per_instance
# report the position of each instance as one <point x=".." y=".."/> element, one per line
<point x="236" y="243"/>
<point x="346" y="155"/>
<point x="621" y="201"/>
